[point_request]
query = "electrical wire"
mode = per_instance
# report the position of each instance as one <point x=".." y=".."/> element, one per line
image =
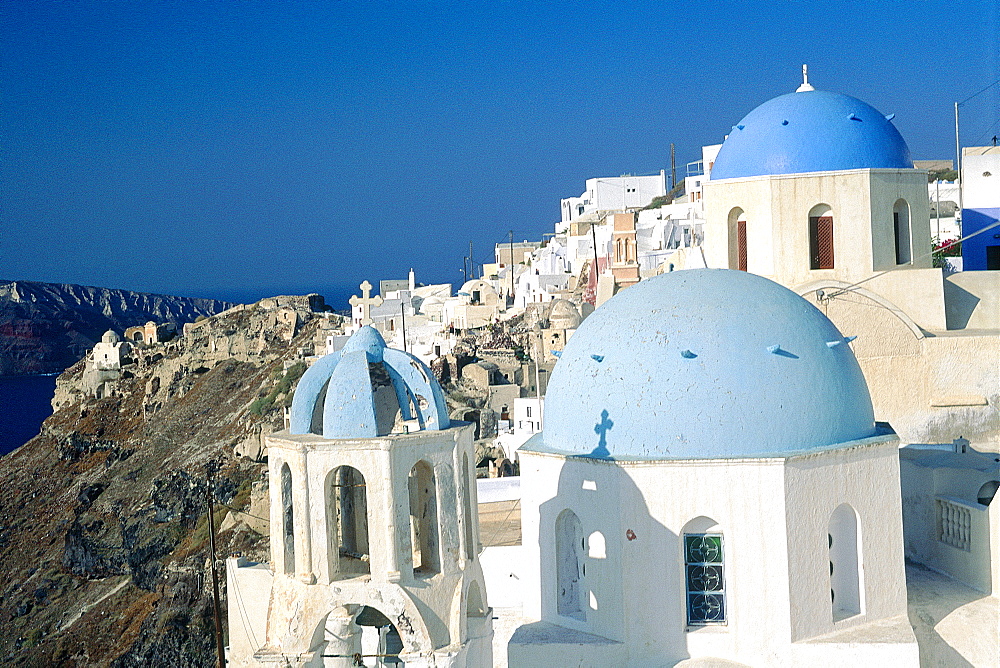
<point x="980" y="92"/>
<point x="244" y="616"/>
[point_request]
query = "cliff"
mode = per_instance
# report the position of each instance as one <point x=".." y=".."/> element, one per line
<point x="103" y="522"/>
<point x="46" y="327"/>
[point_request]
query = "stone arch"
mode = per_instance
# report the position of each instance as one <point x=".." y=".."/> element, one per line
<point x="570" y="548"/>
<point x="287" y="521"/>
<point x="475" y="605"/>
<point x="347" y="523"/>
<point x="469" y="533"/>
<point x="424" y="540"/>
<point x="703" y="556"/>
<point x="987" y="492"/>
<point x="737" y="230"/>
<point x="821" y="237"/>
<point x="846" y="572"/>
<point x="901" y="231"/>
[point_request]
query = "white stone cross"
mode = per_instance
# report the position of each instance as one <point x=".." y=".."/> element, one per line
<point x="366" y="302"/>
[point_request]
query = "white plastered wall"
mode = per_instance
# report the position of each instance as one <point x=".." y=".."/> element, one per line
<point x="777" y="210"/>
<point x="815" y="485"/>
<point x="435" y="607"/>
<point x="642" y="509"/>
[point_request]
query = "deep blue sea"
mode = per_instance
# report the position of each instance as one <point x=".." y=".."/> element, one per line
<point x="25" y="401"/>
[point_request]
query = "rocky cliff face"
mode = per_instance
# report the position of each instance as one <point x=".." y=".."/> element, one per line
<point x="46" y="327"/>
<point x="103" y="524"/>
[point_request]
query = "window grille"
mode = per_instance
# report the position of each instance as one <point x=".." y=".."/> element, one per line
<point x="741" y="244"/>
<point x="703" y="563"/>
<point x="821" y="242"/>
<point x="954" y="525"/>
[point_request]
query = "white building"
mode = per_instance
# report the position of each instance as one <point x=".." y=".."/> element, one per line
<point x="710" y="484"/>
<point x="816" y="190"/>
<point x="614" y="194"/>
<point x="111" y="352"/>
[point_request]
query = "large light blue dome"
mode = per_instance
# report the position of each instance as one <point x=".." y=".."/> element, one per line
<point x="811" y="131"/>
<point x="705" y="363"/>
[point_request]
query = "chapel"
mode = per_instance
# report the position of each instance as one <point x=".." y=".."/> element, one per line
<point x="711" y="485"/>
<point x="817" y="191"/>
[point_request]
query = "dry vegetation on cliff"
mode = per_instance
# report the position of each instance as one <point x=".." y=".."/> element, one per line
<point x="103" y="530"/>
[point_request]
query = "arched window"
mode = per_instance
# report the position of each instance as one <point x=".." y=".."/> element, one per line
<point x="821" y="237"/>
<point x="569" y="562"/>
<point x="844" y="540"/>
<point x="423" y="520"/>
<point x="704" y="572"/>
<point x="738" y="239"/>
<point x="470" y="537"/>
<point x="287" y="519"/>
<point x="347" y="523"/>
<point x="987" y="492"/>
<point x="901" y="231"/>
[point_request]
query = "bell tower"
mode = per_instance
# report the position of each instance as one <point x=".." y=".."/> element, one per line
<point x="374" y="535"/>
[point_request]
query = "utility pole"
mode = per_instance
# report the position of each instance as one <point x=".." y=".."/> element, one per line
<point x="937" y="207"/>
<point x="511" y="233"/>
<point x="402" y="312"/>
<point x="673" y="168"/>
<point x="472" y="265"/>
<point x="593" y="236"/>
<point x="958" y="166"/>
<point x="215" y="575"/>
<point x="465" y="273"/>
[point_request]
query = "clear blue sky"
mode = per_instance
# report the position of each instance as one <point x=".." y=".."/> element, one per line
<point x="240" y="149"/>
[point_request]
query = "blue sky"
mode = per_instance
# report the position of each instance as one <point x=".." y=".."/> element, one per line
<point x="241" y="149"/>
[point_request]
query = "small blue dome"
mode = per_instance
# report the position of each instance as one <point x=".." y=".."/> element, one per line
<point x="336" y="396"/>
<point x="811" y="131"/>
<point x="705" y="363"/>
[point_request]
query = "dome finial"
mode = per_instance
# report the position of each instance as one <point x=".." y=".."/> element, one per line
<point x="806" y="86"/>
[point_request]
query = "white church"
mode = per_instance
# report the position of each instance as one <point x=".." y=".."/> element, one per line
<point x="710" y="488"/>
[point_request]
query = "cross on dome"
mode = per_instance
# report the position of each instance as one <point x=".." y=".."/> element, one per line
<point x="366" y="302"/>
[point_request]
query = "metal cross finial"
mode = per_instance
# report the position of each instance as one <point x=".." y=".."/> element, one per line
<point x="806" y="86"/>
<point x="366" y="302"/>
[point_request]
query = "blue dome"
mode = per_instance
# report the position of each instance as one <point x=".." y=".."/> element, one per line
<point x="811" y="131"/>
<point x="705" y="363"/>
<point x="336" y="396"/>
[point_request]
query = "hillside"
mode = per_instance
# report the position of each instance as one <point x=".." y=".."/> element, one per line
<point x="103" y="529"/>
<point x="46" y="327"/>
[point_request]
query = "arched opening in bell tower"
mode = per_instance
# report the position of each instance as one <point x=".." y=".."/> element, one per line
<point x="347" y="523"/>
<point x="423" y="520"/>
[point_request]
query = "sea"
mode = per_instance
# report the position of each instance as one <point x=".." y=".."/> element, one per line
<point x="25" y="402"/>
